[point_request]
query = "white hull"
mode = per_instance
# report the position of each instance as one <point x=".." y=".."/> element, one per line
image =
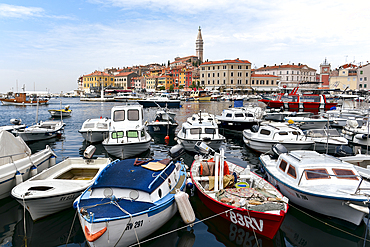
<point x="188" y="144"/>
<point x="330" y="206"/>
<point x="126" y="150"/>
<point x="94" y="136"/>
<point x="29" y="136"/>
<point x="142" y="226"/>
<point x="42" y="159"/>
<point x="263" y="146"/>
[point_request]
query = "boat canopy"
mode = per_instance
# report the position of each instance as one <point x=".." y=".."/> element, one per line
<point x="12" y="148"/>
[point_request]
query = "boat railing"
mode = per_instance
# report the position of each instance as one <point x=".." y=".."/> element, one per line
<point x="11" y="156"/>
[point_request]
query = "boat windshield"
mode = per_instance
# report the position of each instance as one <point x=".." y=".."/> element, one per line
<point x="289" y="98"/>
<point x="318" y="173"/>
<point x="306" y="98"/>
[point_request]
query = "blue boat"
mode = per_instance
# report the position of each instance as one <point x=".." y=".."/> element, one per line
<point x="129" y="200"/>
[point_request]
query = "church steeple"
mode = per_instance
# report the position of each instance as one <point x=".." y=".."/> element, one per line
<point x="199" y="46"/>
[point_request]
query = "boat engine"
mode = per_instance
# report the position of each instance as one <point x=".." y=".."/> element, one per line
<point x="15" y="121"/>
<point x="89" y="151"/>
<point x="176" y="151"/>
<point x="343" y="150"/>
<point x="277" y="149"/>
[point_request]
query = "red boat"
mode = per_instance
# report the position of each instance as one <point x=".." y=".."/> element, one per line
<point x="250" y="203"/>
<point x="300" y="102"/>
<point x="22" y="99"/>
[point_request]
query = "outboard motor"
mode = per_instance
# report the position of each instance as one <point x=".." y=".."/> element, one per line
<point x="15" y="121"/>
<point x="176" y="151"/>
<point x="343" y="150"/>
<point x="277" y="149"/>
<point x="203" y="148"/>
<point x="255" y="128"/>
<point x="89" y="151"/>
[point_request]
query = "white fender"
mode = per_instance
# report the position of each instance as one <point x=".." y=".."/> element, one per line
<point x="33" y="171"/>
<point x="52" y="161"/>
<point x="18" y="178"/>
<point x="184" y="206"/>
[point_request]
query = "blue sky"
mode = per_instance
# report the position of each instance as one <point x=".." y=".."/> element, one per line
<point x="47" y="45"/>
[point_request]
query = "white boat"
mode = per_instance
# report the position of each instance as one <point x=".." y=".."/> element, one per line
<point x="305" y="123"/>
<point x="95" y="129"/>
<point x="16" y="124"/>
<point x="279" y="115"/>
<point x="41" y="131"/>
<point x="57" y="187"/>
<point x="326" y="140"/>
<point x="128" y="202"/>
<point x="357" y="134"/>
<point x="17" y="164"/>
<point x="127" y="134"/>
<point x="127" y="96"/>
<point x="200" y="127"/>
<point x="262" y="138"/>
<point x="319" y="182"/>
<point x="240" y="118"/>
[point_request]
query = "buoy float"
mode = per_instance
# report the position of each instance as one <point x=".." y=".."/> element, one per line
<point x="184" y="206"/>
<point x="167" y="140"/>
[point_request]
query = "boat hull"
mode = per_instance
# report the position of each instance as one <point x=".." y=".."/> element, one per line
<point x="189" y="144"/>
<point x="168" y="104"/>
<point x="126" y="150"/>
<point x="236" y="125"/>
<point x="23" y="103"/>
<point x="264" y="146"/>
<point x="162" y="129"/>
<point x="94" y="136"/>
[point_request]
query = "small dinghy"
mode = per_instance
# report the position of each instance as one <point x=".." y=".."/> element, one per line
<point x="129" y="200"/>
<point x="56" y="188"/>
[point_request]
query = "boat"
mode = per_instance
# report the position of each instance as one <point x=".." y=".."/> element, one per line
<point x="280" y="115"/>
<point x="164" y="123"/>
<point x="356" y="133"/>
<point x="318" y="182"/>
<point x="127" y="96"/>
<point x="127" y="135"/>
<point x="240" y="118"/>
<point x="299" y="102"/>
<point x="95" y="129"/>
<point x="41" y="131"/>
<point x="262" y="138"/>
<point x="57" y="187"/>
<point x="199" y="95"/>
<point x="355" y="156"/>
<point x="305" y="123"/>
<point x="16" y="125"/>
<point x="22" y="99"/>
<point x="198" y="127"/>
<point x="163" y="101"/>
<point x="66" y="112"/>
<point x="237" y="194"/>
<point x="326" y="140"/>
<point x="18" y="164"/>
<point x="129" y="200"/>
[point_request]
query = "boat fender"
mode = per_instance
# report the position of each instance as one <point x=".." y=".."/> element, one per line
<point x="184" y="206"/>
<point x="33" y="171"/>
<point x="18" y="178"/>
<point x="52" y="161"/>
<point x="93" y="237"/>
<point x="189" y="183"/>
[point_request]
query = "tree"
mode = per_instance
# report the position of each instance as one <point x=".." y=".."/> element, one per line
<point x="161" y="88"/>
<point x="181" y="87"/>
<point x="168" y="63"/>
<point x="171" y="88"/>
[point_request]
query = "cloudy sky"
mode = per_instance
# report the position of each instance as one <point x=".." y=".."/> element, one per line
<point x="47" y="45"/>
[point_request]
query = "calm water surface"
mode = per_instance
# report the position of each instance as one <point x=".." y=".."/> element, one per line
<point x="300" y="228"/>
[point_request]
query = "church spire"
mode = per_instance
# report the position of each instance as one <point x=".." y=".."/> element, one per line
<point x="199" y="45"/>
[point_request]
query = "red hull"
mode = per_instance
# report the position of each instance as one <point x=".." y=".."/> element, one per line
<point x="265" y="224"/>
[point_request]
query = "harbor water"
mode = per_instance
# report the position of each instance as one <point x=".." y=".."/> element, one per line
<point x="300" y="228"/>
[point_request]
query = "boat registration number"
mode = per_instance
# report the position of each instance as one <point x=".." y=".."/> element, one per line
<point x="66" y="198"/>
<point x="244" y="220"/>
<point x="136" y="224"/>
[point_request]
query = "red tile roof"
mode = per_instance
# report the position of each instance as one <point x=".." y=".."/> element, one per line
<point x="98" y="73"/>
<point x="262" y="75"/>
<point x="284" y="66"/>
<point x="124" y="74"/>
<point x="226" y="61"/>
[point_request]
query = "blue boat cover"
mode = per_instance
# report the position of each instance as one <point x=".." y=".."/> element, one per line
<point x="125" y="175"/>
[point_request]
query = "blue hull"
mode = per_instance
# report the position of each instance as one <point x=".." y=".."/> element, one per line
<point x="168" y="104"/>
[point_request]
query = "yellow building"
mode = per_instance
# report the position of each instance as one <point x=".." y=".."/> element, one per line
<point x="97" y="79"/>
<point x="344" y="77"/>
<point x="151" y="83"/>
<point x="165" y="81"/>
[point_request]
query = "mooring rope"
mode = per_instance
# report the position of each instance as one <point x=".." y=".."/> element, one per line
<point x="24" y="222"/>
<point x="137" y="239"/>
<point x="70" y="231"/>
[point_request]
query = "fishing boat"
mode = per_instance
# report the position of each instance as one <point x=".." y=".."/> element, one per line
<point x="299" y="102"/>
<point x="240" y="118"/>
<point x="201" y="126"/>
<point x="95" y="129"/>
<point x="23" y="99"/>
<point x="66" y="112"/>
<point x="326" y="140"/>
<point x="41" y="131"/>
<point x="57" y="187"/>
<point x="237" y="194"/>
<point x="262" y="138"/>
<point x="318" y="182"/>
<point x="129" y="200"/>
<point x="162" y="100"/>
<point x="17" y="163"/>
<point x="127" y="135"/>
<point x="164" y="123"/>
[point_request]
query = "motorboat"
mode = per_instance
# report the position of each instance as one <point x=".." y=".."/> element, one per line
<point x="57" y="187"/>
<point x="163" y="124"/>
<point x="127" y="96"/>
<point x="129" y="200"/>
<point x="262" y="138"/>
<point x="199" y="95"/>
<point x="66" y="112"/>
<point x="162" y="100"/>
<point x="127" y="135"/>
<point x="326" y="140"/>
<point x="237" y="194"/>
<point x="200" y="127"/>
<point x="16" y="125"/>
<point x="299" y="102"/>
<point x="354" y="156"/>
<point x="95" y="129"/>
<point x="313" y="122"/>
<point x="17" y="163"/>
<point x="23" y="100"/>
<point x="41" y="131"/>
<point x="240" y="118"/>
<point x="280" y="115"/>
<point x="318" y="182"/>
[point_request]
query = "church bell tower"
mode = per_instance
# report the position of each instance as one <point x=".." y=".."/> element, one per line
<point x="199" y="46"/>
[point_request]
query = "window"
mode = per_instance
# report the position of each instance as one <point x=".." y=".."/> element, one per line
<point x="229" y="115"/>
<point x="267" y="82"/>
<point x="232" y="73"/>
<point x="287" y="72"/>
<point x="318" y="173"/>
<point x="232" y="66"/>
<point x="345" y="174"/>
<point x="239" y="115"/>
<point x="365" y="78"/>
<point x="283" y="165"/>
<point x="252" y="82"/>
<point x="118" y="134"/>
<point x="291" y="171"/>
<point x="195" y="131"/>
<point x="224" y="74"/>
<point x="360" y="85"/>
<point x="265" y="132"/>
<point x="361" y="72"/>
<point x="239" y="67"/>
<point x="119" y="116"/>
<point x="232" y="81"/>
<point x="210" y="131"/>
<point x="246" y="74"/>
<point x="133" y="115"/>
<point x="283" y="133"/>
<point x="132" y="134"/>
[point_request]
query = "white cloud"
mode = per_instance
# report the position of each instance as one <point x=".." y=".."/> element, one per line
<point x="14" y="11"/>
